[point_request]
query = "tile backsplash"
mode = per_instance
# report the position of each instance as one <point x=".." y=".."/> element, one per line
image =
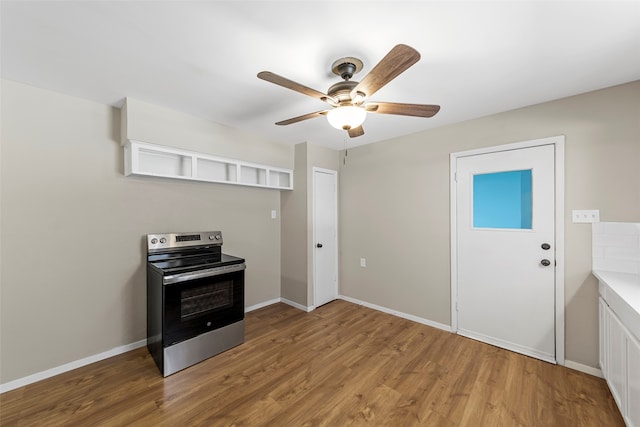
<point x="616" y="246"/>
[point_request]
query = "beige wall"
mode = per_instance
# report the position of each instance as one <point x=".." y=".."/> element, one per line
<point x="73" y="226"/>
<point x="63" y="189"/>
<point x="297" y="223"/>
<point x="294" y="232"/>
<point x="157" y="125"/>
<point x="394" y="204"/>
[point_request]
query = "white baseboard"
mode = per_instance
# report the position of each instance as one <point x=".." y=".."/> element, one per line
<point x="398" y="313"/>
<point x="39" y="376"/>
<point x="261" y="304"/>
<point x="296" y="305"/>
<point x="583" y="368"/>
<point x="277" y="300"/>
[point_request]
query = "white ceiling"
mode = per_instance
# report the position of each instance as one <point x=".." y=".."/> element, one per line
<point x="201" y="58"/>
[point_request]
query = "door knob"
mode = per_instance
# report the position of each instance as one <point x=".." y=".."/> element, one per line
<point x="319" y="245"/>
<point x="545" y="262"/>
<point x="546" y="246"/>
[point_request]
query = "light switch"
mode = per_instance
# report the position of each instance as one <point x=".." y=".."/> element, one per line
<point x="274" y="214"/>
<point x="363" y="262"/>
<point x="585" y="216"/>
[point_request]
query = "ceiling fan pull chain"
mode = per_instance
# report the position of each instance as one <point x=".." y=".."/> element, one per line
<point x="346" y="152"/>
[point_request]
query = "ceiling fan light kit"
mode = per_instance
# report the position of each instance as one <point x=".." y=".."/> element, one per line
<point x="346" y="117"/>
<point x="348" y="98"/>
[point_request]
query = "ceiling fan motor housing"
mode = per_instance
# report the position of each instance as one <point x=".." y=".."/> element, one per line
<point x="341" y="91"/>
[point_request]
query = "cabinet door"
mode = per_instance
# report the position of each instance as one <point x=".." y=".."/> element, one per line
<point x="602" y="327"/>
<point x="616" y="359"/>
<point x="633" y="385"/>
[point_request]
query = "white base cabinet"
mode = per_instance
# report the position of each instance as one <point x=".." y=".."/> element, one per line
<point x="154" y="160"/>
<point x="620" y="363"/>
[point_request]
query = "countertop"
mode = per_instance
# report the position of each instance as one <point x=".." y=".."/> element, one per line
<point x="622" y="292"/>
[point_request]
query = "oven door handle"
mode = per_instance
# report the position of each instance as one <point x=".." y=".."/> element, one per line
<point x="200" y="274"/>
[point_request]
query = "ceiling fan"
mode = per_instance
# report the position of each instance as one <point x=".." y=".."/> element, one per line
<point x="348" y="98"/>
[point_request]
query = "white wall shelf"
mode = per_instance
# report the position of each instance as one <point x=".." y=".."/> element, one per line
<point x="141" y="158"/>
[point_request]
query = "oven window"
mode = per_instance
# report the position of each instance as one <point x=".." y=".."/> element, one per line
<point x="204" y="299"/>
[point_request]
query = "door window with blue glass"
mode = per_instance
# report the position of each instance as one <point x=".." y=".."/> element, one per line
<point x="502" y="200"/>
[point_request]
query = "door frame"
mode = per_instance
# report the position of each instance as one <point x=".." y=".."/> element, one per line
<point x="314" y="237"/>
<point x="558" y="144"/>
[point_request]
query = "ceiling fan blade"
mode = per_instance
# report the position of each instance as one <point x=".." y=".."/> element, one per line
<point x="303" y="117"/>
<point x="398" y="60"/>
<point x="290" y="84"/>
<point x="416" y="110"/>
<point x="355" y="132"/>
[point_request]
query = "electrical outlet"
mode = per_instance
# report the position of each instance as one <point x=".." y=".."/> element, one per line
<point x="363" y="262"/>
<point x="585" y="216"/>
<point x="274" y="214"/>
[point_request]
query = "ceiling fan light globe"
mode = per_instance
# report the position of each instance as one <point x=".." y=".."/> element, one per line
<point x="346" y="117"/>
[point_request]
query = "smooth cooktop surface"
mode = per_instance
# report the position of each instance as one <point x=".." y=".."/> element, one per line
<point x="178" y="265"/>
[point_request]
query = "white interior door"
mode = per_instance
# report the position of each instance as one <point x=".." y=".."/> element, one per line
<point x="505" y="223"/>
<point x="325" y="232"/>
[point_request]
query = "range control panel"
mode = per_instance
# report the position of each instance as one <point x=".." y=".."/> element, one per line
<point x="183" y="240"/>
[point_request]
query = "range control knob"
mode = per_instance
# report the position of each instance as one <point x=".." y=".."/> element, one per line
<point x="163" y="240"/>
<point x="217" y="236"/>
<point x="154" y="241"/>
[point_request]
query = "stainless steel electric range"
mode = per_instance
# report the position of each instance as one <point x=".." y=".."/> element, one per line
<point x="195" y="299"/>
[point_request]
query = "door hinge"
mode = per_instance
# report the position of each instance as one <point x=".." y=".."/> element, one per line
<point x="455" y="176"/>
<point x="457" y="306"/>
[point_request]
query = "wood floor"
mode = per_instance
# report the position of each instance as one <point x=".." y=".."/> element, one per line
<point x="339" y="365"/>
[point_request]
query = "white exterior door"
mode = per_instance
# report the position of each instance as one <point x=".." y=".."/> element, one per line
<point x="505" y="226"/>
<point x="325" y="232"/>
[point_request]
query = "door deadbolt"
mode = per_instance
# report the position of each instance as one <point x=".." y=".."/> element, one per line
<point x="546" y="246"/>
<point x="545" y="262"/>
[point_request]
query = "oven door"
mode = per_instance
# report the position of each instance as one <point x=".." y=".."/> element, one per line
<point x="201" y="301"/>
